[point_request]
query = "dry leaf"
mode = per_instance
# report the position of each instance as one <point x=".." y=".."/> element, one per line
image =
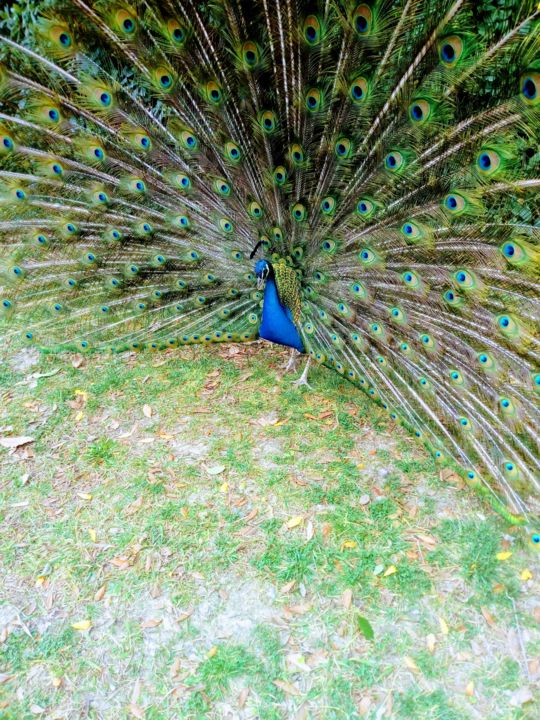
<point x="82" y="625"/>
<point x="147" y="411"/>
<point x="100" y="593"/>
<point x="364" y="499"/>
<point x="469" y="689"/>
<point x="310" y="530"/>
<point x="287" y="687"/>
<point x="521" y="696"/>
<point x="92" y="534"/>
<point x="526" y="574"/>
<point x="212" y="652"/>
<point x="215" y="469"/>
<point x="85" y="496"/>
<point x="136" y="711"/>
<point x="504" y="555"/>
<point x="295" y="521"/>
<point x="409" y="662"/>
<point x="346" y="599"/>
<point x="349" y="544"/>
<point x="175" y="667"/>
<point x="152" y="623"/>
<point x="364" y="705"/>
<point x="430" y="642"/>
<point x="15" y="442"/>
<point x="488" y="616"/>
<point x="288" y="586"/>
<point x="134" y="506"/>
<point x="443" y="626"/>
<point x="57" y="682"/>
<point x="242" y="698"/>
<point x="390" y="570"/>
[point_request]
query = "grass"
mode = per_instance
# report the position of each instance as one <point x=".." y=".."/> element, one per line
<point x="219" y="533"/>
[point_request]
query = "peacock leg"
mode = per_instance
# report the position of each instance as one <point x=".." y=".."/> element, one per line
<point x="302" y="380"/>
<point x="291" y="362"/>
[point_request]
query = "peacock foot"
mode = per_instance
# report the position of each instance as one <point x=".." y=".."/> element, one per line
<point x="302" y="380"/>
<point x="290" y="365"/>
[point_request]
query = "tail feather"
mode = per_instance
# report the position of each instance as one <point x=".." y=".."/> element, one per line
<point x="386" y="150"/>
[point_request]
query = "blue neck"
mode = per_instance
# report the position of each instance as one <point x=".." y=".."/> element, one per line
<point x="277" y="323"/>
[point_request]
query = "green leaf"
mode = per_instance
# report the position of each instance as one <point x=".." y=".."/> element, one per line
<point x="365" y="627"/>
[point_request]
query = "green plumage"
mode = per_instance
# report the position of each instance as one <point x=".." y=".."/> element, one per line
<point x="385" y="155"/>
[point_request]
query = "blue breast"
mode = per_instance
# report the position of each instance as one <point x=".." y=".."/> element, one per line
<point x="277" y="324"/>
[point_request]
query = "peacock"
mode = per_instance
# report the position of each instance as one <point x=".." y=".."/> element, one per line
<point x="357" y="181"/>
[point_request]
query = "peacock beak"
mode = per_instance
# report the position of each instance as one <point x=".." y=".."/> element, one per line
<point x="260" y="283"/>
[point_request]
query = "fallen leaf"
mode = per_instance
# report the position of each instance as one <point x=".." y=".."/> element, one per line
<point x="134" y="506"/>
<point x="136" y="711"/>
<point x="365" y="627"/>
<point x="409" y="662"/>
<point x="100" y="593"/>
<point x="526" y="574"/>
<point x="92" y="534"/>
<point x="443" y="626"/>
<point x="242" y="698"/>
<point x="175" y="667"/>
<point x="15" y="442"/>
<point x="504" y="555"/>
<point x="488" y="617"/>
<point x="521" y="696"/>
<point x="390" y="570"/>
<point x="295" y="521"/>
<point x="349" y="544"/>
<point x="82" y="625"/>
<point x="84" y="496"/>
<point x="469" y="689"/>
<point x="378" y="569"/>
<point x="147" y="411"/>
<point x="364" y="706"/>
<point x="287" y="687"/>
<point x="57" y="682"/>
<point x="212" y="652"/>
<point x="37" y="709"/>
<point x="430" y="642"/>
<point x="346" y="599"/>
<point x="310" y="530"/>
<point x="215" y="469"/>
<point x="364" y="499"/>
<point x="288" y="586"/>
<point x="152" y="623"/>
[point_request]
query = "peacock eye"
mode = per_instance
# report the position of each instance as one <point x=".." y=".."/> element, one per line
<point x="394" y="161"/>
<point x="363" y="20"/>
<point x="419" y="111"/>
<point x="530" y="87"/>
<point x="105" y="99"/>
<point x="250" y="55"/>
<point x="343" y="148"/>
<point x="213" y="92"/>
<point x="312" y="30"/>
<point x="450" y="50"/>
<point x="358" y="90"/>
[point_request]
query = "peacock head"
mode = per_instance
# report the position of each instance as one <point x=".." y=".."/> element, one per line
<point x="263" y="271"/>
